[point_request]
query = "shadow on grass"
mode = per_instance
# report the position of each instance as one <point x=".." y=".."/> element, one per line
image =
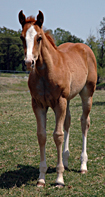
<point x="23" y="175"/>
<point x="72" y="170"/>
<point x="18" y="177"/>
<point x="97" y="103"/>
<point x="51" y="170"/>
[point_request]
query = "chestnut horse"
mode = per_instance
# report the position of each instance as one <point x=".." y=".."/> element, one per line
<point x="57" y="75"/>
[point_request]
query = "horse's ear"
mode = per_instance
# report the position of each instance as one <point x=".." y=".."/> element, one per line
<point x="40" y="19"/>
<point x="22" y="18"/>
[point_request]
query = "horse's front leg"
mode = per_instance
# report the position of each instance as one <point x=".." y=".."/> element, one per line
<point x="60" y="112"/>
<point x="40" y="114"/>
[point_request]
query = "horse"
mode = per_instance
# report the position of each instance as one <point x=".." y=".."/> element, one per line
<point x="57" y="75"/>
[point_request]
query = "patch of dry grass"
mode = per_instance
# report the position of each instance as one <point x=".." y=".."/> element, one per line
<point x="13" y="83"/>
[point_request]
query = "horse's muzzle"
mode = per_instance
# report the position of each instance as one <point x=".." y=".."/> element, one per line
<point x="30" y="64"/>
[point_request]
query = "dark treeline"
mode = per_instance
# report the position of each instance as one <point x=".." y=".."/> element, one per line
<point x="11" y="49"/>
<point x="12" y="54"/>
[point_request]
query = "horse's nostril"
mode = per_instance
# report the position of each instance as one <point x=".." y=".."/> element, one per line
<point x="32" y="61"/>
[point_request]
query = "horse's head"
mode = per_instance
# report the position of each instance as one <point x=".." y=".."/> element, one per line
<point x="31" y="37"/>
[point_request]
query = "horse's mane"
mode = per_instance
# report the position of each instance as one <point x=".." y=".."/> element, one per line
<point x="50" y="38"/>
<point x="30" y="19"/>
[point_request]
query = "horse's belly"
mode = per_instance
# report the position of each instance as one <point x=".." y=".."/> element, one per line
<point x="74" y="91"/>
<point x="77" y="84"/>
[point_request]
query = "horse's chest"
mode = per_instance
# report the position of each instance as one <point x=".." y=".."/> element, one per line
<point x="44" y="92"/>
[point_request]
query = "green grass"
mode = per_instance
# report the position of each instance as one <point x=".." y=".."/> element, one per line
<point x="19" y="151"/>
<point x="101" y="86"/>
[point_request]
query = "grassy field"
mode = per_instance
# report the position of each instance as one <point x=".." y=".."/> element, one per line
<point x="19" y="151"/>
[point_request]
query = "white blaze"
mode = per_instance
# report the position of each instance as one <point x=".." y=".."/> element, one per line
<point x="30" y="34"/>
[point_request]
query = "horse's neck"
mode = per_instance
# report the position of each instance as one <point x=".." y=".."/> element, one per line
<point x="48" y="55"/>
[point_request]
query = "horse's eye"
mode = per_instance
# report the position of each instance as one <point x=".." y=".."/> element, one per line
<point x="40" y="38"/>
<point x="22" y="38"/>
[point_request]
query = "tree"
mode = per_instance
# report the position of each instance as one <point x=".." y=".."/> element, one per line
<point x="14" y="55"/>
<point x="61" y="36"/>
<point x="74" y="39"/>
<point x="93" y="44"/>
<point x="11" y="49"/>
<point x="102" y="43"/>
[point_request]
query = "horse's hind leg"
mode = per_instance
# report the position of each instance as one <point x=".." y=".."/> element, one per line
<point x="86" y="96"/>
<point x="66" y="137"/>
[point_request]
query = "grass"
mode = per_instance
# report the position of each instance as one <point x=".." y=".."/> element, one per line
<point x="101" y="86"/>
<point x="19" y="151"/>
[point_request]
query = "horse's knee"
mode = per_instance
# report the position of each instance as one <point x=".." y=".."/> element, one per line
<point x="58" y="137"/>
<point x="85" y="123"/>
<point x="41" y="137"/>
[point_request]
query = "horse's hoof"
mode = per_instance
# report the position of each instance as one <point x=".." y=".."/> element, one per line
<point x="59" y="185"/>
<point x="39" y="184"/>
<point x="83" y="171"/>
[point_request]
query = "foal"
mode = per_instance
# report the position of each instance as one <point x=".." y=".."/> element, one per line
<point x="57" y="75"/>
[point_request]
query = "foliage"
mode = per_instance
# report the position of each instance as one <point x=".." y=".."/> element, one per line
<point x="19" y="150"/>
<point x="102" y="44"/>
<point x="93" y="44"/>
<point x="61" y="36"/>
<point x="11" y="49"/>
<point x="98" y="47"/>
